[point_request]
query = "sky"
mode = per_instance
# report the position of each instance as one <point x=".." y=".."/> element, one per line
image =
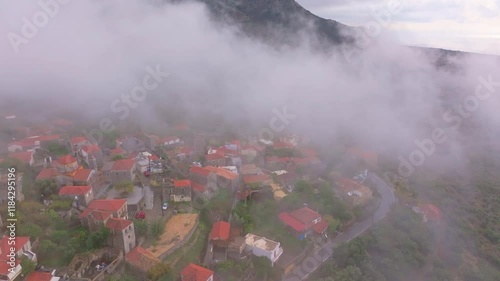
<point x="467" y="25"/>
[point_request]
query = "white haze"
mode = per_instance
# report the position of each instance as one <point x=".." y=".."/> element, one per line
<point x="93" y="51"/>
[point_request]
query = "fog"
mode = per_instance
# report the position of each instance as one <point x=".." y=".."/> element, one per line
<point x="90" y="53"/>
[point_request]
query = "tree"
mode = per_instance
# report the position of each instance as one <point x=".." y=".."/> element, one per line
<point x="333" y="223"/>
<point x="125" y="187"/>
<point x="141" y="227"/>
<point x="159" y="270"/>
<point x="157" y="229"/>
<point x="57" y="149"/>
<point x="98" y="239"/>
<point x="46" y="187"/>
<point x="27" y="265"/>
<point x="29" y="229"/>
<point x="118" y="157"/>
<point x="262" y="265"/>
<point x="61" y="205"/>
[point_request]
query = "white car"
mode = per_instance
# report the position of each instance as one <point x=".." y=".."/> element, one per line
<point x="164" y="206"/>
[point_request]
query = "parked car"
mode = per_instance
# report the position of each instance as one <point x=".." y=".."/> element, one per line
<point x="164" y="206"/>
<point x="140" y="215"/>
<point x="147" y="173"/>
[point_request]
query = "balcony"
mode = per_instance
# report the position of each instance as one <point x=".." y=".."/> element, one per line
<point x="30" y="255"/>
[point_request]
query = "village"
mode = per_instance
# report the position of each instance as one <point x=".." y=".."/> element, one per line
<point x="184" y="205"/>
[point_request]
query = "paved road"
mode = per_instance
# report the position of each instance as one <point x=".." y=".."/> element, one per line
<point x="314" y="260"/>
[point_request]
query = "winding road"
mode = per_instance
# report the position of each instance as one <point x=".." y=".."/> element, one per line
<point x="313" y="261"/>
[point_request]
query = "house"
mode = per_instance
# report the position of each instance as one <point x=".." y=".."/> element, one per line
<point x="77" y="143"/>
<point x="112" y="214"/>
<point x="353" y="192"/>
<point x="285" y="178"/>
<point x="32" y="143"/>
<point x="428" y="212"/>
<point x="250" y="153"/>
<point x="171" y="141"/>
<point x="249" y="169"/>
<point x="4" y="187"/>
<point x="219" y="235"/>
<point x="224" y="177"/>
<point x="122" y="170"/>
<point x="259" y="180"/>
<point x="216" y="158"/>
<point x="141" y="260"/>
<point x="82" y="193"/>
<point x="203" y="181"/>
<point x="25" y="157"/>
<point x="66" y="164"/>
<point x="184" y="153"/>
<point x="193" y="272"/>
<point x="263" y="247"/>
<point x="131" y="144"/>
<point x="304" y="222"/>
<point x="21" y="248"/>
<point x="118" y="152"/>
<point x="92" y="155"/>
<point x="180" y="191"/>
<point x="42" y="276"/>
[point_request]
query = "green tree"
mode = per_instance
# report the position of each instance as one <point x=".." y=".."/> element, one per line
<point x="46" y="187"/>
<point x="29" y="229"/>
<point x="118" y="157"/>
<point x="98" y="239"/>
<point x="141" y="227"/>
<point x="157" y="229"/>
<point x="262" y="265"/>
<point x="125" y="187"/>
<point x="27" y="265"/>
<point x="57" y="149"/>
<point x="159" y="270"/>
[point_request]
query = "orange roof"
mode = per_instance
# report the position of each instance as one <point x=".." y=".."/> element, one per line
<point x="82" y="175"/>
<point x="222" y="172"/>
<point x="193" y="272"/>
<point x="5" y="250"/>
<point x="123" y="165"/>
<point x="118" y="224"/>
<point x="23" y="156"/>
<point x="215" y="156"/>
<point x="199" y="170"/>
<point x="431" y="211"/>
<point x="47" y="173"/>
<point x="220" y="231"/>
<point x="198" y="187"/>
<point x="76" y="140"/>
<point x="49" y="138"/>
<point x="91" y="148"/>
<point x="66" y="160"/>
<point x="74" y="190"/>
<point x="39" y="276"/>
<point x="141" y="258"/>
<point x="104" y="205"/>
<point x="100" y="215"/>
<point x="182" y="183"/>
<point x="255" y="178"/>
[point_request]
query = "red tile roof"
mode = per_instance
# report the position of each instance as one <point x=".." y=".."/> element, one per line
<point x="74" y="190"/>
<point x="112" y="205"/>
<point x="100" y="215"/>
<point x="431" y="211"/>
<point x="123" y="165"/>
<point x="182" y="183"/>
<point x="49" y="138"/>
<point x="39" y="276"/>
<point x="198" y="187"/>
<point x="23" y="156"/>
<point x="220" y="231"/>
<point x="82" y="175"/>
<point x="118" y="151"/>
<point x="301" y="219"/>
<point x="154" y="158"/>
<point x="77" y="140"/>
<point x="91" y="148"/>
<point x="222" y="172"/>
<point x="199" y="170"/>
<point x="141" y="258"/>
<point x="249" y="179"/>
<point x="118" y="224"/>
<point x="280" y="145"/>
<point x="5" y="250"/>
<point x="219" y="155"/>
<point x="321" y="226"/>
<point x="47" y="173"/>
<point x="24" y="142"/>
<point x="193" y="272"/>
<point x="66" y="160"/>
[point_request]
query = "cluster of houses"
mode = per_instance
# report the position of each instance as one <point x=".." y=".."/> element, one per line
<point x="242" y="167"/>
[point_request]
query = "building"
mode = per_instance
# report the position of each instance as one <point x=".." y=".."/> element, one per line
<point x="180" y="191"/>
<point x="249" y="169"/>
<point x="66" y="164"/>
<point x="77" y="143"/>
<point x="353" y="192"/>
<point x="42" y="276"/>
<point x="92" y="155"/>
<point x="25" y="157"/>
<point x="193" y="272"/>
<point x="260" y="180"/>
<point x="22" y="248"/>
<point x="171" y="141"/>
<point x="263" y="247"/>
<point x="304" y="222"/>
<point x="112" y="214"/>
<point x="428" y="212"/>
<point x="203" y="181"/>
<point x="216" y="158"/>
<point x="122" y="171"/>
<point x="141" y="260"/>
<point x="219" y="235"/>
<point x="83" y="194"/>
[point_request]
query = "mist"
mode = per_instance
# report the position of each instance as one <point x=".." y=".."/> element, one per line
<point x="90" y="53"/>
